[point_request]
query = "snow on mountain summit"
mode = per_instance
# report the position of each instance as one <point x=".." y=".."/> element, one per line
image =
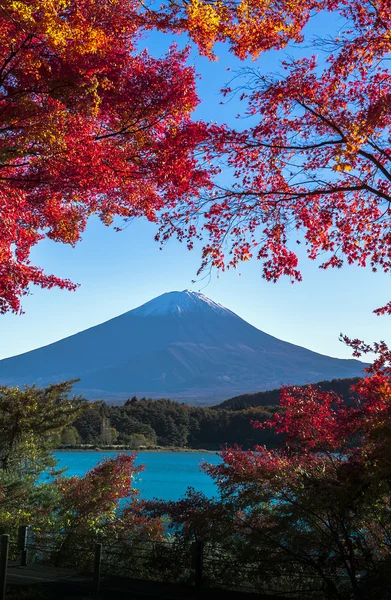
<point x="180" y="303"/>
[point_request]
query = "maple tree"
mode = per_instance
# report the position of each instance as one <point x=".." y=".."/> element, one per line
<point x="89" y="124"/>
<point x="312" y="515"/>
<point x="102" y="505"/>
<point x="314" y="166"/>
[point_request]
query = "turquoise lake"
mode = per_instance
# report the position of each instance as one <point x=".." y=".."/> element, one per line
<point x="167" y="475"/>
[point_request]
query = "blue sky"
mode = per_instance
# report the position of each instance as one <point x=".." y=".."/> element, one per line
<point x="120" y="271"/>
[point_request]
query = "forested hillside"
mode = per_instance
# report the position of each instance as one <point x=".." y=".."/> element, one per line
<point x="150" y="423"/>
<point x="271" y="397"/>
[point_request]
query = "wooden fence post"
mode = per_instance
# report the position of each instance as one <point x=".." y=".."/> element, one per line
<point x="5" y="540"/>
<point x="198" y="562"/>
<point x="22" y="544"/>
<point x="97" y="567"/>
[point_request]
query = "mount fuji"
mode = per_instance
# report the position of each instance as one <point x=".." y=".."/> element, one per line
<point x="179" y="345"/>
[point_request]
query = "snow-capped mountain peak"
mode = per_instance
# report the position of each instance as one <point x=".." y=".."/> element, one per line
<point x="180" y="303"/>
<point x="180" y="345"/>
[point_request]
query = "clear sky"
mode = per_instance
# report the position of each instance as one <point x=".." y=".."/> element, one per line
<point x="120" y="271"/>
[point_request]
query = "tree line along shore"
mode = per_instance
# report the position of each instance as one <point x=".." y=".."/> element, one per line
<point x="167" y="425"/>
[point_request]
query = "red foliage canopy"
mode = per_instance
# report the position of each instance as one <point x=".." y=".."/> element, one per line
<point x="88" y="125"/>
<point x="106" y="502"/>
<point x="315" y="167"/>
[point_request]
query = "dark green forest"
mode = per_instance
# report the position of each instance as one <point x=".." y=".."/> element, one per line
<point x="271" y="397"/>
<point x="146" y="423"/>
<point x="165" y="423"/>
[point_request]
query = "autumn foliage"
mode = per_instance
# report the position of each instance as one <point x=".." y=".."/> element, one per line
<point x="102" y="505"/>
<point x="313" y="166"/>
<point x="313" y="515"/>
<point x="88" y="125"/>
<point x="67" y="515"/>
<point x="92" y="125"/>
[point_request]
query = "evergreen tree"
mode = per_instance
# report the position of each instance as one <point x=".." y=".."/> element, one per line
<point x="31" y="421"/>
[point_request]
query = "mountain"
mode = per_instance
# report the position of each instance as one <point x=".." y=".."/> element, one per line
<point x="180" y="345"/>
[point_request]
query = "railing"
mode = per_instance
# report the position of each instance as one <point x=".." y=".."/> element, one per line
<point x="4" y="551"/>
<point x="134" y="558"/>
<point x="198" y="565"/>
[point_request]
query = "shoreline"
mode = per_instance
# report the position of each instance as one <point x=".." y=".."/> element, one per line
<point x="171" y="449"/>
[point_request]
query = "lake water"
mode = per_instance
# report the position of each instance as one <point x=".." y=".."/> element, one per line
<point x="167" y="475"/>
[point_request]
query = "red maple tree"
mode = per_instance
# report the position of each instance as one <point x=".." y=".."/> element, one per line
<point x="88" y="125"/>
<point x="311" y="516"/>
<point x="315" y="166"/>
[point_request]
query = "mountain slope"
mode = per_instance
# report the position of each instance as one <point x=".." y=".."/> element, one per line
<point x="182" y="345"/>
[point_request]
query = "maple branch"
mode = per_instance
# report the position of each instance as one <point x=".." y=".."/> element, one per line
<point x="376" y="162"/>
<point x="324" y="119"/>
<point x="292" y="147"/>
<point x="293" y="194"/>
<point x="362" y="152"/>
<point x="379" y="149"/>
<point x="13" y="55"/>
